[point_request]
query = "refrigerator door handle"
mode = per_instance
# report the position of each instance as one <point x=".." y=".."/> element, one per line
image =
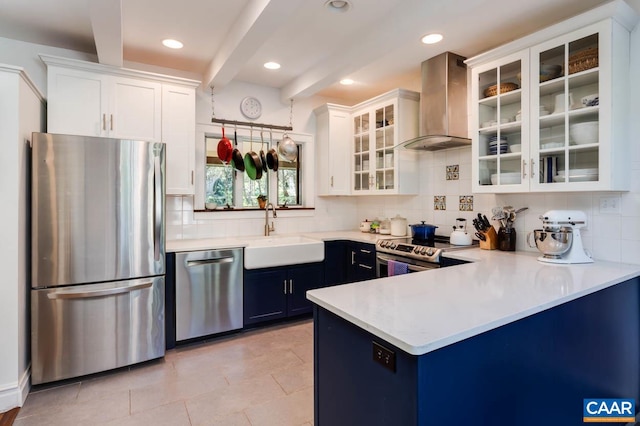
<point x="157" y="208"/>
<point x="97" y="293"/>
<point x="220" y="260"/>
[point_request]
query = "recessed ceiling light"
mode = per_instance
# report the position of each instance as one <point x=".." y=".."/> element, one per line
<point x="432" y="38"/>
<point x="339" y="6"/>
<point x="272" y="65"/>
<point x="346" y="81"/>
<point x="172" y="44"/>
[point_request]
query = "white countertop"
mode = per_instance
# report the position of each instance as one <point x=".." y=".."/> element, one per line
<point x="222" y="243"/>
<point x="424" y="311"/>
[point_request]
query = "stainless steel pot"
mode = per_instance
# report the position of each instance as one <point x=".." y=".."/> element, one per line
<point x="551" y="243"/>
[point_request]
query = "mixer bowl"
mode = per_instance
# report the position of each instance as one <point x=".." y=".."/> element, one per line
<point x="551" y="243"/>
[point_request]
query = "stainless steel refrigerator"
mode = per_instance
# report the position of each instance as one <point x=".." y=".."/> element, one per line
<point x="97" y="254"/>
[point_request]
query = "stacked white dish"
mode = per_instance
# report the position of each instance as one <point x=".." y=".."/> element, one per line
<point x="578" y="175"/>
<point x="543" y="111"/>
<point x="493" y="145"/>
<point x="506" y="178"/>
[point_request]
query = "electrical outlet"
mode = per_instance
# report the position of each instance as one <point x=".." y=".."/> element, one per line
<point x="383" y="356"/>
<point x="609" y="205"/>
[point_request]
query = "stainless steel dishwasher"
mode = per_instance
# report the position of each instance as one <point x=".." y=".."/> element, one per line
<point x="208" y="292"/>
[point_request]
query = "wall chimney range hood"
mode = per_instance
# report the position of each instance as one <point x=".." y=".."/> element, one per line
<point x="443" y="105"/>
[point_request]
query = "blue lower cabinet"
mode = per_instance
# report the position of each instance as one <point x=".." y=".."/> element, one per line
<point x="361" y="261"/>
<point x="534" y="371"/>
<point x="276" y="293"/>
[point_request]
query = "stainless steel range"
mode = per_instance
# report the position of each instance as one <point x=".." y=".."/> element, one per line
<point x="419" y="255"/>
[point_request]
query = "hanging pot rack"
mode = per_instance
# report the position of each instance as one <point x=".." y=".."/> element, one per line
<point x="250" y="124"/>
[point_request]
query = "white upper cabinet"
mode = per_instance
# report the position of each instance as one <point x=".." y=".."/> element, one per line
<point x="333" y="123"/>
<point x="378" y="125"/>
<point x="553" y="116"/>
<point x="178" y="133"/>
<point x="90" y="104"/>
<point x="356" y="154"/>
<point x="94" y="100"/>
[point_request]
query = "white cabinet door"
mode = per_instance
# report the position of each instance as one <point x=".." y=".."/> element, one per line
<point x="178" y="133"/>
<point x="93" y="104"/>
<point x="333" y="157"/>
<point x="135" y="111"/>
<point x="77" y="102"/>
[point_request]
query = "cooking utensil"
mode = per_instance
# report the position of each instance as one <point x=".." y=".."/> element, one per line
<point x="481" y="236"/>
<point x="288" y="148"/>
<point x="225" y="149"/>
<point x="236" y="155"/>
<point x="272" y="159"/>
<point x="422" y="231"/>
<point x="252" y="163"/>
<point x="263" y="158"/>
<point x="551" y="243"/>
<point x="459" y="236"/>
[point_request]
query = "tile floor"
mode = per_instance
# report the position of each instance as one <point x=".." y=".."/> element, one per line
<point x="259" y="377"/>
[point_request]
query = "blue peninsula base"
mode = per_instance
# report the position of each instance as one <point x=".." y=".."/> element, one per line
<point x="534" y="371"/>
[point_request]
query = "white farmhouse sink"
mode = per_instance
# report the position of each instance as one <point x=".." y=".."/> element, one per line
<point x="265" y="252"/>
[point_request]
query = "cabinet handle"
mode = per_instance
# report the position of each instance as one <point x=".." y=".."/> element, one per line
<point x="365" y="251"/>
<point x="192" y="177"/>
<point x="284" y="286"/>
<point x="104" y="121"/>
<point x="524" y="169"/>
<point x="111" y="121"/>
<point x="332" y="181"/>
<point x="353" y="257"/>
<point x="365" y="266"/>
<point x="531" y="168"/>
<point x="290" y="286"/>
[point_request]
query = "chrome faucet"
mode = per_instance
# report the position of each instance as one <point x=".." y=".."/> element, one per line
<point x="268" y="228"/>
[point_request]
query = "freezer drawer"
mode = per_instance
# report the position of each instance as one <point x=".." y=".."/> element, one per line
<point x="85" y="329"/>
<point x="208" y="292"/>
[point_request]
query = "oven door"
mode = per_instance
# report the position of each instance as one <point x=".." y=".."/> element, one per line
<point x="382" y="260"/>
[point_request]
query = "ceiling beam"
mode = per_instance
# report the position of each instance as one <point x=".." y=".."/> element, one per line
<point x="106" y="21"/>
<point x="252" y="28"/>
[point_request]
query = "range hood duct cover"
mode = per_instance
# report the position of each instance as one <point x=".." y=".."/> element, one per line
<point x="443" y="105"/>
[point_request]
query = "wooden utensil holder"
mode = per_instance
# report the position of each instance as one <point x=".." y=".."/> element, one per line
<point x="490" y="240"/>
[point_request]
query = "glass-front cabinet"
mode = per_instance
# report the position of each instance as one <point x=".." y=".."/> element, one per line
<point x="567" y="136"/>
<point x="554" y="117"/>
<point x="378" y="126"/>
<point x="501" y="121"/>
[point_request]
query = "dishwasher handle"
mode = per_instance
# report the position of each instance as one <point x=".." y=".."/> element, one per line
<point x="218" y="261"/>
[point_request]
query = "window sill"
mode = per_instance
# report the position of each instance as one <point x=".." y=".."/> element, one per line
<point x="240" y="213"/>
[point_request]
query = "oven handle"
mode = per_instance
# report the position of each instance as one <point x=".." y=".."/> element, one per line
<point x="384" y="261"/>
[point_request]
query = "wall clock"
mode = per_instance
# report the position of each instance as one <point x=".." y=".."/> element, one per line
<point x="251" y="107"/>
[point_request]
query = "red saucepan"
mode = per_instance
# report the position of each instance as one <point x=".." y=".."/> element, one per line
<point x="225" y="149"/>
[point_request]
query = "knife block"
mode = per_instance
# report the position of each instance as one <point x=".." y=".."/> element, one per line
<point x="491" y="240"/>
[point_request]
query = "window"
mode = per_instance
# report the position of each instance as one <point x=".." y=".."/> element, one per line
<point x="289" y="181"/>
<point x="226" y="186"/>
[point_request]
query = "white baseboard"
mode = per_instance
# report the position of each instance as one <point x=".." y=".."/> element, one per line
<point x="14" y="395"/>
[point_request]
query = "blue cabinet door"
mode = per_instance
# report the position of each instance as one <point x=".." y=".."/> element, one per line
<point x="335" y="262"/>
<point x="301" y="279"/>
<point x="265" y="295"/>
